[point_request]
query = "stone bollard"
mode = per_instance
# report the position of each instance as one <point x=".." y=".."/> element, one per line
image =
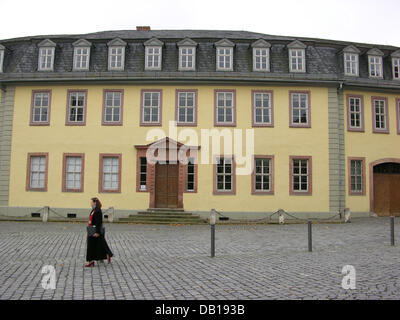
<point x="347" y="215"/>
<point x="281" y="216"/>
<point x="111" y="215"/>
<point x="46" y="211"/>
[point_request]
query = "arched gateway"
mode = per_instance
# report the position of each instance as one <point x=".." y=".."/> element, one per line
<point x="385" y="187"/>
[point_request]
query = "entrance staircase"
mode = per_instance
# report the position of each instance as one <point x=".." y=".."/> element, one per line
<point x="164" y="216"/>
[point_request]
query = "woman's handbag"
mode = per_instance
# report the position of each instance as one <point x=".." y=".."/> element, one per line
<point x="91" y="230"/>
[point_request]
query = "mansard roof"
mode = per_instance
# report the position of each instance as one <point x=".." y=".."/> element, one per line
<point x="323" y="61"/>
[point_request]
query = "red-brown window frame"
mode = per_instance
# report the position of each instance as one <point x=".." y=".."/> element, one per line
<point x="40" y="123"/>
<point x="349" y="128"/>
<point x="72" y="123"/>
<point x="112" y="123"/>
<point x="374" y="129"/>
<point x="150" y="124"/>
<point x="101" y="158"/>
<point x="234" y="113"/>
<point x="299" y="125"/>
<point x="254" y="124"/>
<point x="185" y="124"/>
<point x="352" y="193"/>
<point x="215" y="161"/>
<point x="300" y="193"/>
<point x="64" y="172"/>
<point x="271" y="188"/>
<point x="28" y="171"/>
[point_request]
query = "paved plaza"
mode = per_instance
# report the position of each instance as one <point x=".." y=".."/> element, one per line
<point x="173" y="262"/>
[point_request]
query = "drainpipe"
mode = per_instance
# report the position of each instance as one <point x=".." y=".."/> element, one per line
<point x="341" y="182"/>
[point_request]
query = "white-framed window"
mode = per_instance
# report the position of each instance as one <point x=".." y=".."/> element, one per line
<point x="186" y="107"/>
<point x="41" y="106"/>
<point x="46" y="59"/>
<point x="116" y="58"/>
<point x="262" y="108"/>
<point x="260" y="59"/>
<point x="351" y="64"/>
<point x="355" y="113"/>
<point x="300" y="175"/>
<point x="153" y="58"/>
<point x="225" y="59"/>
<point x="187" y="58"/>
<point x="380" y="114"/>
<point x="113" y="107"/>
<point x="73" y="173"/>
<point x="81" y="58"/>
<point x="262" y="174"/>
<point x="1" y="59"/>
<point x="356" y="176"/>
<point x="37" y="172"/>
<point x="375" y="67"/>
<point x="396" y="68"/>
<point x="76" y="107"/>
<point x="300" y="109"/>
<point x="224" y="174"/>
<point x="225" y="107"/>
<point x="110" y="173"/>
<point x="297" y="60"/>
<point x="151" y="107"/>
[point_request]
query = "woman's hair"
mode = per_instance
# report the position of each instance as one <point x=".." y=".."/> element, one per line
<point x="97" y="202"/>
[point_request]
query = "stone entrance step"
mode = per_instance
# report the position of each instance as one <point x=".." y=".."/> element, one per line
<point x="164" y="216"/>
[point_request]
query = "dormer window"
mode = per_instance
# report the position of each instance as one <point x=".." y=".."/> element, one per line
<point x="375" y="63"/>
<point x="2" y="49"/>
<point x="224" y="55"/>
<point x="297" y="56"/>
<point x="153" y="54"/>
<point x="46" y="55"/>
<point x="261" y="55"/>
<point x="187" y="54"/>
<point x="350" y="59"/>
<point x="116" y="55"/>
<point x="81" y="55"/>
<point x="396" y="65"/>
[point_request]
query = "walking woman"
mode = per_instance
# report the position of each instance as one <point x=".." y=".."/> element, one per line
<point x="97" y="247"/>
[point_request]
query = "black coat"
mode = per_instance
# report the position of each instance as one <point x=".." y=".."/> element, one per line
<point x="97" y="248"/>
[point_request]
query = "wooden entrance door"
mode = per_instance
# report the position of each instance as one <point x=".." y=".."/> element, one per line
<point x="387" y="189"/>
<point x="166" y="185"/>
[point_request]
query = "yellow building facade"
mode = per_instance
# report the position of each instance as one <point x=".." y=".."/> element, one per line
<point x="318" y="141"/>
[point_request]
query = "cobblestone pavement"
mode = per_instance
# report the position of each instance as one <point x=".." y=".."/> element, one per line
<point x="172" y="262"/>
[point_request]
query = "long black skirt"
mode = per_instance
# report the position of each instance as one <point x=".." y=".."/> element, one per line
<point x="97" y="248"/>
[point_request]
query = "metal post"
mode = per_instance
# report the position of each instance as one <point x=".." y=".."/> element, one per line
<point x="392" y="231"/>
<point x="212" y="225"/>
<point x="309" y="236"/>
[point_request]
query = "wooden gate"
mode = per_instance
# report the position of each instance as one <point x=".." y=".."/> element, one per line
<point x="387" y="189"/>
